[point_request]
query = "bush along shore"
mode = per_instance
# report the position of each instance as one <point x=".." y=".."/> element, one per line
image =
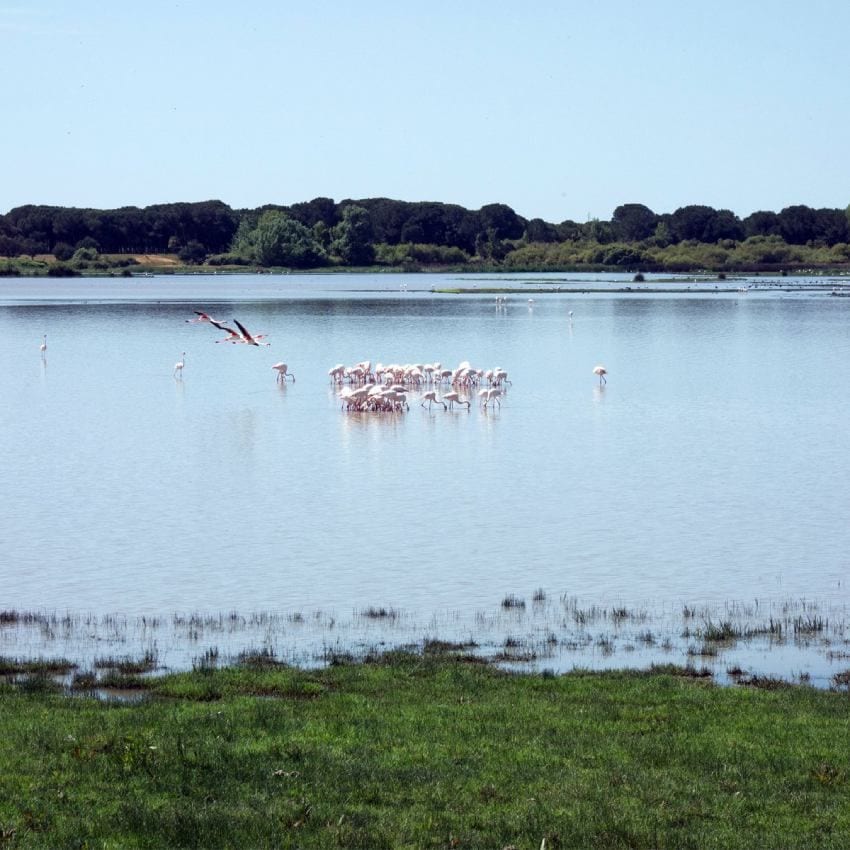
<point x="426" y="749"/>
<point x="738" y="259"/>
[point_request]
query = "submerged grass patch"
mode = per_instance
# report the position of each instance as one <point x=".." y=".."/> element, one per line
<point x="422" y="750"/>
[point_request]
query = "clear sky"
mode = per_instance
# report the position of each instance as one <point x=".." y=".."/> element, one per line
<point x="563" y="109"/>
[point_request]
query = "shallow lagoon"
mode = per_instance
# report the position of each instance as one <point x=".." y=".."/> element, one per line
<point x="709" y="475"/>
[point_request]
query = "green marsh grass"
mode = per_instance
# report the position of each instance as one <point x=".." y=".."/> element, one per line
<point x="559" y="630"/>
<point x="424" y="751"/>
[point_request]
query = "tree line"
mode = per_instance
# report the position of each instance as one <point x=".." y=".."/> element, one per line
<point x="362" y="232"/>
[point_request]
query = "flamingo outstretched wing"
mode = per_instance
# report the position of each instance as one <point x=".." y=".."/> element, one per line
<point x="234" y="336"/>
<point x="246" y="336"/>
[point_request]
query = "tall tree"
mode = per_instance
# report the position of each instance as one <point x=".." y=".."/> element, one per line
<point x="538" y="230"/>
<point x="500" y="218"/>
<point x="633" y="222"/>
<point x="761" y="223"/>
<point x="318" y="210"/>
<point x="723" y="225"/>
<point x="352" y="241"/>
<point x="831" y="226"/>
<point x="279" y="240"/>
<point x="691" y="222"/>
<point x="797" y="224"/>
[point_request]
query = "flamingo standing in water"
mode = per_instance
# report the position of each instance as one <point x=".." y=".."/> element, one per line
<point x="43" y="347"/>
<point x="431" y="398"/>
<point x="602" y="372"/>
<point x="282" y="372"/>
<point x="453" y="398"/>
<point x="486" y="396"/>
<point x="178" y="366"/>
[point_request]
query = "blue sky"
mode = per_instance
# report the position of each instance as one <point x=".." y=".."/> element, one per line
<point x="563" y="110"/>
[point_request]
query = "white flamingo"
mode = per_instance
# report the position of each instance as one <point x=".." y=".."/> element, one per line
<point x="431" y="398"/>
<point x="453" y="398"/>
<point x="43" y="347"/>
<point x="178" y="366"/>
<point x="487" y="396"/>
<point x="602" y="372"/>
<point x="283" y="372"/>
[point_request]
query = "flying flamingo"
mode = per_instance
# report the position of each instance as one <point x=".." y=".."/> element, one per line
<point x="234" y="336"/>
<point x="247" y="337"/>
<point x="202" y="317"/>
<point x="282" y="372"/>
<point x="602" y="372"/>
<point x="178" y="366"/>
<point x="431" y="398"/>
<point x="453" y="398"/>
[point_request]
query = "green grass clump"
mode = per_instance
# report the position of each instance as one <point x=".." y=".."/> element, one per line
<point x="426" y="751"/>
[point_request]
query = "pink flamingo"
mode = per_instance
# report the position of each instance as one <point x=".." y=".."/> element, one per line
<point x="487" y="396"/>
<point x="431" y="398"/>
<point x="602" y="372"/>
<point x="248" y="337"/>
<point x="234" y="335"/>
<point x="202" y="317"/>
<point x="453" y="398"/>
<point x="282" y="372"/>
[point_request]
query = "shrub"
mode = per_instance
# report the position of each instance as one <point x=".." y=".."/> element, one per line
<point x="60" y="270"/>
<point x="228" y="260"/>
<point x="63" y="252"/>
<point x="85" y="255"/>
<point x="192" y="252"/>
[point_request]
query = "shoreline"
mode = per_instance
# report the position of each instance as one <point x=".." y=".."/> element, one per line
<point x="795" y="641"/>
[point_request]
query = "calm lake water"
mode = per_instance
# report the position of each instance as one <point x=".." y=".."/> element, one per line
<point x="712" y="469"/>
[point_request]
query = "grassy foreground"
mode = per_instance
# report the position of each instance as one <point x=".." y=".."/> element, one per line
<point x="420" y="752"/>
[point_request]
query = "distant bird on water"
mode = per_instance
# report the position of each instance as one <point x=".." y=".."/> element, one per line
<point x="602" y="372"/>
<point x="178" y="366"/>
<point x="43" y="347"/>
<point x="283" y="372"/>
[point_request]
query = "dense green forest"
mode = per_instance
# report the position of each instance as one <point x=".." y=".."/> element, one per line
<point x="380" y="232"/>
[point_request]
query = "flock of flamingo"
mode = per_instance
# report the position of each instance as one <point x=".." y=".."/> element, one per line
<point x="242" y="335"/>
<point x="384" y="388"/>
